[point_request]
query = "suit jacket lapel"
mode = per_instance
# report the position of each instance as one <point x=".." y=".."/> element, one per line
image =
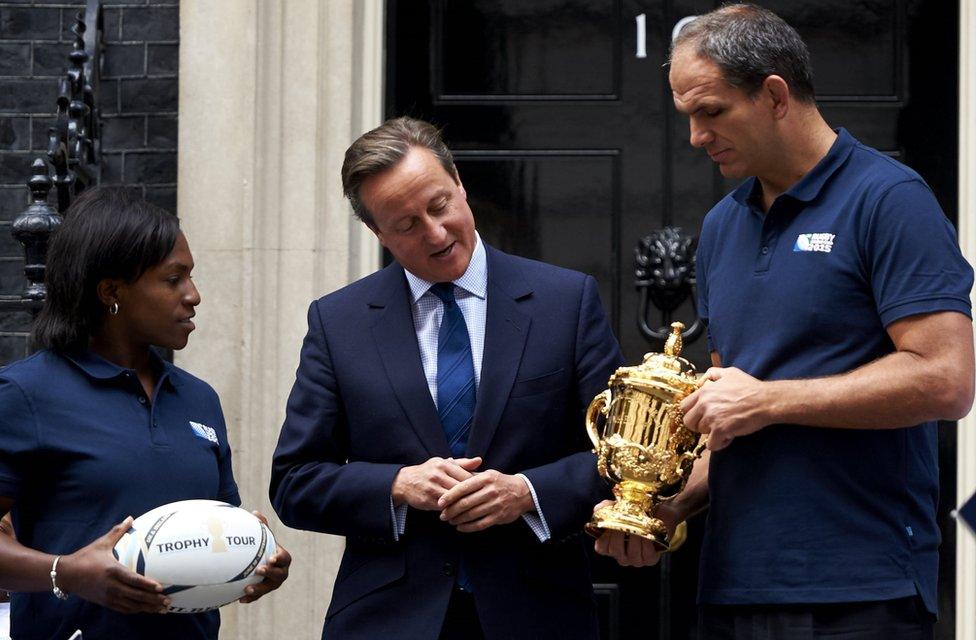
<point x="506" y="330"/>
<point x="396" y="341"/>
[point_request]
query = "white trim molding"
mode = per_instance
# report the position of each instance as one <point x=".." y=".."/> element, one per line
<point x="966" y="437"/>
<point x="271" y="94"/>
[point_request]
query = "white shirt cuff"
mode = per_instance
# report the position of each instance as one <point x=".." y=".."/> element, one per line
<point x="398" y="516"/>
<point x="536" y="521"/>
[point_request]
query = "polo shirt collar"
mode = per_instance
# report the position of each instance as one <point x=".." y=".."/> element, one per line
<point x="746" y="191"/>
<point x="810" y="185"/>
<point x="474" y="280"/>
<point x="98" y="368"/>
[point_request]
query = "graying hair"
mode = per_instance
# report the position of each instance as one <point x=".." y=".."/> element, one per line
<point x="749" y="44"/>
<point x="380" y="149"/>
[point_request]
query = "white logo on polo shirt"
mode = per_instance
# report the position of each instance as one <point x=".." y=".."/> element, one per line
<point x="822" y="242"/>
<point x="203" y="431"/>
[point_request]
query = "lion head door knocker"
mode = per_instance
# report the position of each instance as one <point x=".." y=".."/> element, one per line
<point x="665" y="273"/>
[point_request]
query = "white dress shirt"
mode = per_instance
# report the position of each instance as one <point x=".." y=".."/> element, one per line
<point x="471" y="294"/>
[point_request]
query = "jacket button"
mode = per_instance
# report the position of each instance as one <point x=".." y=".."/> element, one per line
<point x="448" y="569"/>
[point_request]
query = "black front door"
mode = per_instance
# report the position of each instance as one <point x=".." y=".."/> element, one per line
<point x="560" y="117"/>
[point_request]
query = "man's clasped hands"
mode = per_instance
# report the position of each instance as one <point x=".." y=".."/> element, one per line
<point x="469" y="499"/>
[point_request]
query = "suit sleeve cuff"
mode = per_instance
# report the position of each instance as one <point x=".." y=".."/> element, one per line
<point x="536" y="521"/>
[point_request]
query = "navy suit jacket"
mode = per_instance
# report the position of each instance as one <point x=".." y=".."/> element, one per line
<point x="360" y="410"/>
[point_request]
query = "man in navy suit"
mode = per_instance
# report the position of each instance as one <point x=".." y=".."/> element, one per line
<point x="436" y="418"/>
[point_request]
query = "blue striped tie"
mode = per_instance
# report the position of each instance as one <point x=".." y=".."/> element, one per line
<point x="455" y="385"/>
<point x="455" y="372"/>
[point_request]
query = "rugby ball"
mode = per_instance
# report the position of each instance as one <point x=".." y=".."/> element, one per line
<point x="203" y="552"/>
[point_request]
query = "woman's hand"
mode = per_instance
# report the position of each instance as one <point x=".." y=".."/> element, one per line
<point x="92" y="573"/>
<point x="275" y="571"/>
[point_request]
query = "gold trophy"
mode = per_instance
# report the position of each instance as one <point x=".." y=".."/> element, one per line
<point x="643" y="447"/>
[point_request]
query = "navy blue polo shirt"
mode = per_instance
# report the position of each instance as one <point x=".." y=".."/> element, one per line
<point x="81" y="448"/>
<point x="812" y="515"/>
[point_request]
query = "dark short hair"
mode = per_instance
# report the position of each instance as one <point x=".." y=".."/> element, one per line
<point x="107" y="232"/>
<point x="380" y="149"/>
<point x="749" y="44"/>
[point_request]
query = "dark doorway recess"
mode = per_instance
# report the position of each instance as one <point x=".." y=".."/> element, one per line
<point x="571" y="152"/>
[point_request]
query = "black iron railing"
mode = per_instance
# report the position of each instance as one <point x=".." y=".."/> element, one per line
<point x="72" y="162"/>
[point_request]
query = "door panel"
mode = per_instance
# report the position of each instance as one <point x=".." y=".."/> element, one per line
<point x="556" y="206"/>
<point x="546" y="50"/>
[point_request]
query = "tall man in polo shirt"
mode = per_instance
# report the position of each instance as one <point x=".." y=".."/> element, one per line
<point x="838" y="311"/>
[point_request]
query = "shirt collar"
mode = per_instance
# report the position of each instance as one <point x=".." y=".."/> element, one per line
<point x="474" y="280"/>
<point x="810" y="185"/>
<point x="745" y="191"/>
<point x="97" y="367"/>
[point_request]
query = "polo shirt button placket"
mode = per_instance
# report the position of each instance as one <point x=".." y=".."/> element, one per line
<point x="768" y="243"/>
<point x="157" y="434"/>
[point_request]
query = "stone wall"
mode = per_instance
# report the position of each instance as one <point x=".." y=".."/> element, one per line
<point x="263" y="211"/>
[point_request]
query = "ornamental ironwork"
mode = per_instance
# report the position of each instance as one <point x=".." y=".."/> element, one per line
<point x="73" y="152"/>
<point x="665" y="277"/>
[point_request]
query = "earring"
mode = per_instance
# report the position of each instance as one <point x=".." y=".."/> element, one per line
<point x="114" y="308"/>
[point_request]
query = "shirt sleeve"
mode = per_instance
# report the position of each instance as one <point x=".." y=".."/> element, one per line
<point x="18" y="437"/>
<point x="537" y="520"/>
<point x="912" y="256"/>
<point x="399" y="519"/>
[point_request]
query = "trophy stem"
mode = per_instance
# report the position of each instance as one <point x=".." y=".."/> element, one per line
<point x="630" y="514"/>
<point x="635" y="494"/>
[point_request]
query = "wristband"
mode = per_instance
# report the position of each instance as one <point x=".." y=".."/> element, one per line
<point x="60" y="595"/>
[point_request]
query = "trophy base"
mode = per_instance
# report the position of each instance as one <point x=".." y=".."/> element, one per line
<point x="632" y="521"/>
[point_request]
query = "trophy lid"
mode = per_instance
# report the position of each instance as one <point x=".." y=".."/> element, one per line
<point x="662" y="371"/>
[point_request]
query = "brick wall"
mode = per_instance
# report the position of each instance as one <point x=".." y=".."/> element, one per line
<point x="138" y="99"/>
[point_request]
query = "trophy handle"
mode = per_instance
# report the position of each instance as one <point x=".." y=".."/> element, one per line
<point x="692" y="455"/>
<point x="678" y="537"/>
<point x="598" y="407"/>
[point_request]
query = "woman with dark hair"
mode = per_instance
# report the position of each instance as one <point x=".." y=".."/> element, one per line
<point x="96" y="427"/>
